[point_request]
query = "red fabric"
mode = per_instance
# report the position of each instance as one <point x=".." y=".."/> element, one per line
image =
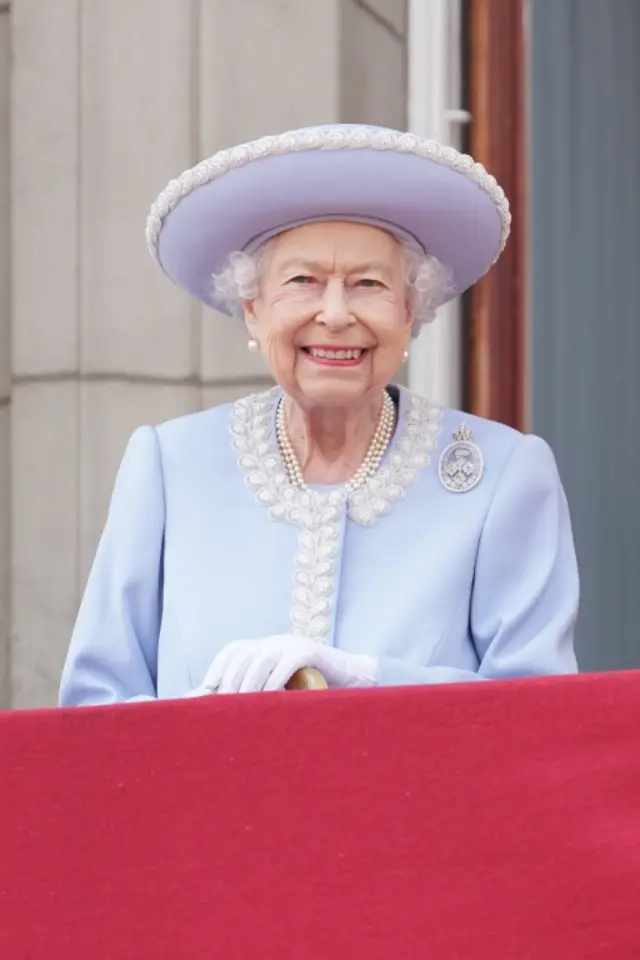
<point x="496" y="821"/>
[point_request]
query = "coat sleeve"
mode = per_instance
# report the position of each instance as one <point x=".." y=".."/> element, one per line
<point x="113" y="653"/>
<point x="525" y="594"/>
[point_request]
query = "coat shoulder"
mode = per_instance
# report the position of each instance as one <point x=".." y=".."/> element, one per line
<point x="501" y="446"/>
<point x="498" y="435"/>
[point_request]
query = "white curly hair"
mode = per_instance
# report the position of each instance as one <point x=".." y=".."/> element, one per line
<point x="427" y="280"/>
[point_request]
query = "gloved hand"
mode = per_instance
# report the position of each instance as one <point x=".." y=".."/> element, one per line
<point x="247" y="666"/>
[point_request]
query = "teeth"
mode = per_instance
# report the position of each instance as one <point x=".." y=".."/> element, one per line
<point x="335" y="354"/>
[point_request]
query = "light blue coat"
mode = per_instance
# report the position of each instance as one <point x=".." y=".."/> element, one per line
<point x="206" y="542"/>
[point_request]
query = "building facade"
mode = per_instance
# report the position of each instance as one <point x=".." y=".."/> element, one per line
<point x="105" y="102"/>
<point x="101" y="103"/>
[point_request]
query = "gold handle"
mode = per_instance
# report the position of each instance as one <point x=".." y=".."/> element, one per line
<point x="307" y="678"/>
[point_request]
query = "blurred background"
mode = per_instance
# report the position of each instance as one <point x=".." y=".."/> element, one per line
<point x="102" y="102"/>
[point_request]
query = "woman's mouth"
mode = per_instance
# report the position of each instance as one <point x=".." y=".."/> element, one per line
<point x="336" y="357"/>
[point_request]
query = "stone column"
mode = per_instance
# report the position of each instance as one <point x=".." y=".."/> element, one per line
<point x="45" y="341"/>
<point x="5" y="359"/>
<point x="110" y="101"/>
<point x="374" y="62"/>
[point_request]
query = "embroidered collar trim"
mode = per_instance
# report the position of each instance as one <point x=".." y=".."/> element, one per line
<point x="317" y="513"/>
<point x="417" y="432"/>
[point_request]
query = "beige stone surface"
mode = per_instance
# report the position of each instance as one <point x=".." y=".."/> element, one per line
<point x="266" y="67"/>
<point x="138" y="114"/>
<point x="224" y="354"/>
<point x="5" y="556"/>
<point x="45" y="172"/>
<point x="393" y="12"/>
<point x="374" y="70"/>
<point x="44" y="468"/>
<point x="109" y="413"/>
<point x="5" y="361"/>
<point x="214" y="396"/>
<point x="5" y="202"/>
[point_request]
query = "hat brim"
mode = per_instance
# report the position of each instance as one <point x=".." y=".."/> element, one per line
<point x="429" y="203"/>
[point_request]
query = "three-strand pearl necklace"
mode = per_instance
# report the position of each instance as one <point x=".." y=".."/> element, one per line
<point x="377" y="448"/>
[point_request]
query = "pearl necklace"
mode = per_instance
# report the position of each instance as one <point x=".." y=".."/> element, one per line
<point x="371" y="462"/>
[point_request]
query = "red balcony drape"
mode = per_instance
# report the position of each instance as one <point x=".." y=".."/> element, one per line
<point x="489" y="821"/>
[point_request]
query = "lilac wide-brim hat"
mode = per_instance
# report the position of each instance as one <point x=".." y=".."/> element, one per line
<point x="438" y="200"/>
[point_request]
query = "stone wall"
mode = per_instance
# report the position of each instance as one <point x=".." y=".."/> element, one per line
<point x="109" y="101"/>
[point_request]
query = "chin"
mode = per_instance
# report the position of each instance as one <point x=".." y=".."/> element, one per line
<point x="330" y="394"/>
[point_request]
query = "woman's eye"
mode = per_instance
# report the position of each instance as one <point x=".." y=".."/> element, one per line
<point x="302" y="279"/>
<point x="369" y="282"/>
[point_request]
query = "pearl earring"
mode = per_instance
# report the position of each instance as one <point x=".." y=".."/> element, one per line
<point x="253" y="346"/>
<point x="405" y="355"/>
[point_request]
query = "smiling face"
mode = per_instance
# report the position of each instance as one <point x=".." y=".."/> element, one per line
<point x="331" y="316"/>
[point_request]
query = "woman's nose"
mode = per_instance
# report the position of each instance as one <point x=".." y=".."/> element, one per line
<point x="334" y="309"/>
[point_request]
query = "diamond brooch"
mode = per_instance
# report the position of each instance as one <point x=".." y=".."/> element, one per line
<point x="461" y="463"/>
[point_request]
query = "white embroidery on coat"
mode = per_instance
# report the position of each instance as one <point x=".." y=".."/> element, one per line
<point x="317" y="513"/>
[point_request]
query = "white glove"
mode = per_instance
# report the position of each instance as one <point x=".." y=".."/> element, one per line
<point x="247" y="666"/>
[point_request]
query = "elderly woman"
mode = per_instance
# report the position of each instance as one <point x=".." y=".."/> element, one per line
<point x="336" y="521"/>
